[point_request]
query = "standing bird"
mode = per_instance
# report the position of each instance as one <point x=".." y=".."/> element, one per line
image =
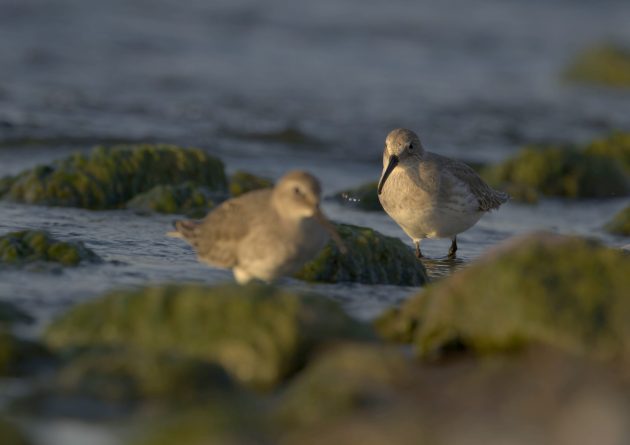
<point x="431" y="196"/>
<point x="263" y="234"/>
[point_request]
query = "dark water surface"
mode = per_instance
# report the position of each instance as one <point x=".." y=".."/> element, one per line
<point x="477" y="80"/>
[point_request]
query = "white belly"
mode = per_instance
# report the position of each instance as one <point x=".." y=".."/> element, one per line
<point x="428" y="214"/>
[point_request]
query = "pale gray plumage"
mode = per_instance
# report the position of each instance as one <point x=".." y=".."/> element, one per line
<point x="264" y="234"/>
<point x="428" y="195"/>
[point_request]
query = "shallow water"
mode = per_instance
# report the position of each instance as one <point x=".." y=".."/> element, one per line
<point x="476" y="79"/>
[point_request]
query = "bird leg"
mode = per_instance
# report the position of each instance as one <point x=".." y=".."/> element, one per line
<point x="418" y="252"/>
<point x="453" y="249"/>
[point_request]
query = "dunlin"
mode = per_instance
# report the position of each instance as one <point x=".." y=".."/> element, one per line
<point x="431" y="196"/>
<point x="263" y="234"/>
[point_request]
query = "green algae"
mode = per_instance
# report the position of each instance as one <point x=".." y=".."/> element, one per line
<point x="242" y="182"/>
<point x="597" y="170"/>
<point x="341" y="381"/>
<point x="605" y="64"/>
<point x="11" y="435"/>
<point x="125" y="375"/>
<point x="28" y="246"/>
<point x="566" y="292"/>
<point x="372" y="258"/>
<point x="108" y="177"/>
<point x="184" y="198"/>
<point x="363" y="197"/>
<point x="620" y="224"/>
<point x="260" y="334"/>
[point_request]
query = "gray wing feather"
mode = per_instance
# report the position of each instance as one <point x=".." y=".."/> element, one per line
<point x="217" y="236"/>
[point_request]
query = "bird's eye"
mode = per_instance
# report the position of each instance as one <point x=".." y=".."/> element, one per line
<point x="410" y="147"/>
<point x="297" y="190"/>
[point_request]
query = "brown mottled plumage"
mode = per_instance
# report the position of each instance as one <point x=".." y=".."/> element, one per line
<point x="431" y="196"/>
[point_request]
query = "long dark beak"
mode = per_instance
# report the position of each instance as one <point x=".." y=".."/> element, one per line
<point x="393" y="162"/>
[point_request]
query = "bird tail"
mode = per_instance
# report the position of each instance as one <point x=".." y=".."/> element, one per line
<point x="184" y="229"/>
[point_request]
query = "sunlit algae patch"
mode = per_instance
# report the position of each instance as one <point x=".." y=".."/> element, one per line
<point x="29" y="246"/>
<point x="565" y="292"/>
<point x="372" y="258"/>
<point x="599" y="169"/>
<point x="260" y="334"/>
<point x="606" y="65"/>
<point x="109" y="177"/>
<point x="620" y="224"/>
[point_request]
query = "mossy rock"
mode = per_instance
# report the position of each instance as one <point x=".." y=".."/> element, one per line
<point x="17" y="355"/>
<point x="561" y="171"/>
<point x="186" y="198"/>
<point x="125" y="375"/>
<point x="10" y="314"/>
<point x="11" y="435"/>
<point x="364" y="197"/>
<point x="343" y="381"/>
<point x="28" y="246"/>
<point x="372" y="258"/>
<point x="615" y="146"/>
<point x="565" y="292"/>
<point x="242" y="182"/>
<point x="108" y="177"/>
<point x="260" y="334"/>
<point x="222" y="423"/>
<point x="620" y="224"/>
<point x="606" y="64"/>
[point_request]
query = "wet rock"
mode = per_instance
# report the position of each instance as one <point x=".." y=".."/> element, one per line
<point x="242" y="182"/>
<point x="11" y="435"/>
<point x="372" y="258"/>
<point x="186" y="198"/>
<point x="110" y="176"/>
<point x="606" y="64"/>
<point x="29" y="246"/>
<point x="593" y="171"/>
<point x="128" y="375"/>
<point x="620" y="224"/>
<point x="363" y="197"/>
<point x="615" y="146"/>
<point x="341" y="381"/>
<point x="260" y="334"/>
<point x="567" y="292"/>
<point x="215" y="423"/>
<point x="543" y="397"/>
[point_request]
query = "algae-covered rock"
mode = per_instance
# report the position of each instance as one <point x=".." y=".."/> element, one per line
<point x="10" y="314"/>
<point x="128" y="375"/>
<point x="108" y="177"/>
<point x="562" y="291"/>
<point x="11" y="435"/>
<point x="562" y="171"/>
<point x="364" y="197"/>
<point x="342" y="381"/>
<point x="184" y="198"/>
<point x="260" y="334"/>
<point x="242" y="182"/>
<point x="16" y="355"/>
<point x="28" y="246"/>
<point x="372" y="258"/>
<point x="605" y="64"/>
<point x="620" y="224"/>
<point x="615" y="146"/>
<point x="211" y="424"/>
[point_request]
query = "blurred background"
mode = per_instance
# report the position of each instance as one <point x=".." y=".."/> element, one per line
<point x="475" y="79"/>
<point x="272" y="85"/>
